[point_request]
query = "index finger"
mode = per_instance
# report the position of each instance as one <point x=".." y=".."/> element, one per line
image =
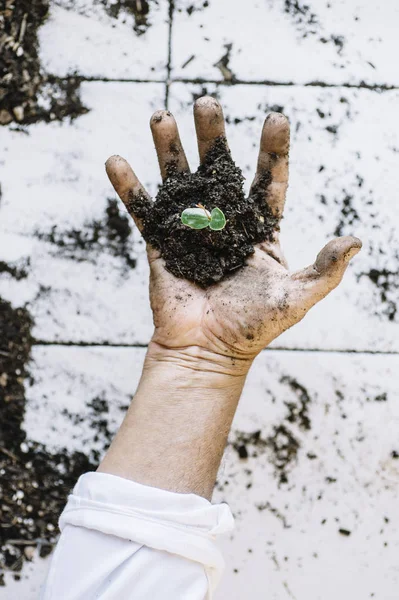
<point x="129" y="189"/>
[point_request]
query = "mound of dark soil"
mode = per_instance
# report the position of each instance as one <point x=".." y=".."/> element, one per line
<point x="205" y="256"/>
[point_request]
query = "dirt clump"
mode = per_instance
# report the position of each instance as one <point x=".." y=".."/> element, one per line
<point x="27" y="94"/>
<point x="205" y="256"/>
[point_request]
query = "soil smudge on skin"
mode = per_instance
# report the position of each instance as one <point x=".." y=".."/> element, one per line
<point x="35" y="483"/>
<point x="27" y="94"/>
<point x="112" y="234"/>
<point x="206" y="256"/>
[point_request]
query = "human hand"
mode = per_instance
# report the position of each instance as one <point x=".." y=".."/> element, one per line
<point x="239" y="316"/>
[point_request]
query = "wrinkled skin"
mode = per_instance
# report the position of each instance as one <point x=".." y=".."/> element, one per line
<point x="242" y="314"/>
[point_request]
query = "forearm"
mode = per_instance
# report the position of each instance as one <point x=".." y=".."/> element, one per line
<point x="175" y="431"/>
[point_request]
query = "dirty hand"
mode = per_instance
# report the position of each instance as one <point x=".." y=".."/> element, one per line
<point x="230" y="322"/>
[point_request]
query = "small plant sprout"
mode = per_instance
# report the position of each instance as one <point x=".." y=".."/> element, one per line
<point x="199" y="218"/>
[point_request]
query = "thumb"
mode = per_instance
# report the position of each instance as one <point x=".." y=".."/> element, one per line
<point x="318" y="280"/>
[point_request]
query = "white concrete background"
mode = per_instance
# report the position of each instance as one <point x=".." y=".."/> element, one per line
<point x="345" y="353"/>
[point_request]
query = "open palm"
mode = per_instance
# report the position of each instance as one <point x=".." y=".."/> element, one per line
<point x="243" y="313"/>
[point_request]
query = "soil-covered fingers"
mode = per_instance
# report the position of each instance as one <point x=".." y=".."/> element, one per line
<point x="318" y="280"/>
<point x="271" y="179"/>
<point x="209" y="125"/>
<point x="171" y="156"/>
<point x="129" y="189"/>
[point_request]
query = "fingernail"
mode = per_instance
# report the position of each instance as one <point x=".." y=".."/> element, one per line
<point x="352" y="252"/>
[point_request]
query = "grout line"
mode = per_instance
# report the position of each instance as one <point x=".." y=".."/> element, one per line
<point x="361" y="85"/>
<point x="69" y="344"/>
<point x="169" y="64"/>
<point x="84" y="78"/>
<point x="169" y="80"/>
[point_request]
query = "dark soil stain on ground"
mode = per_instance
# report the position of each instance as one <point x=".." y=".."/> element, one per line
<point x="387" y="286"/>
<point x="206" y="256"/>
<point x="298" y="412"/>
<point x="282" y="446"/>
<point x="348" y="216"/>
<point x="16" y="272"/>
<point x="27" y="94"/>
<point x="112" y="234"/>
<point x="35" y="483"/>
<point x="140" y="9"/>
<point x="195" y="7"/>
<point x="223" y="64"/>
<point x="308" y="24"/>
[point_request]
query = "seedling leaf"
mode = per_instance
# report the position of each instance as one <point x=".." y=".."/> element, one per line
<point x="218" y="220"/>
<point x="196" y="218"/>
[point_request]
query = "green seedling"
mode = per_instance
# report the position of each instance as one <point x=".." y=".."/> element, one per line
<point x="199" y="218"/>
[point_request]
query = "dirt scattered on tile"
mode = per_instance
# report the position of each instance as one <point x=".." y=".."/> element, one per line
<point x="298" y="412"/>
<point x="348" y="215"/>
<point x="282" y="446"/>
<point x="27" y="94"/>
<point x="223" y="64"/>
<point x="98" y="419"/>
<point x="203" y="91"/>
<point x="112" y="234"/>
<point x="308" y="24"/>
<point x="195" y="7"/>
<point x="386" y="283"/>
<point x="15" y="271"/>
<point x="140" y="9"/>
<point x="35" y="483"/>
<point x="274" y="511"/>
<point x="205" y="256"/>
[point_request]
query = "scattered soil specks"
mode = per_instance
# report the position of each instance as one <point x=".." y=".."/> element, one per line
<point x="117" y="9"/>
<point x="140" y="9"/>
<point x="17" y="272"/>
<point x="282" y="445"/>
<point x="223" y="65"/>
<point x="308" y="24"/>
<point x="387" y="289"/>
<point x="112" y="234"/>
<point x="348" y="215"/>
<point x="298" y="412"/>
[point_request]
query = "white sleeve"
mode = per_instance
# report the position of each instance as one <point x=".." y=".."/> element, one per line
<point x="121" y="539"/>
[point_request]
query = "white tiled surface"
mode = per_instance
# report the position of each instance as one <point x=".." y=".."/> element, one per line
<point x="81" y="37"/>
<point x="350" y="481"/>
<point x="345" y="41"/>
<point x="53" y="175"/>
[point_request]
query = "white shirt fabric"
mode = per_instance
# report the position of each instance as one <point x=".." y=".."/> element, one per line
<point x="122" y="540"/>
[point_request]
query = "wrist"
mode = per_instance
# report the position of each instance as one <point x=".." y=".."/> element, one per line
<point x="197" y="363"/>
<point x="176" y="428"/>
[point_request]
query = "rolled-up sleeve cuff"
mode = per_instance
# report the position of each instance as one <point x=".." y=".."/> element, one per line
<point x="182" y="524"/>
